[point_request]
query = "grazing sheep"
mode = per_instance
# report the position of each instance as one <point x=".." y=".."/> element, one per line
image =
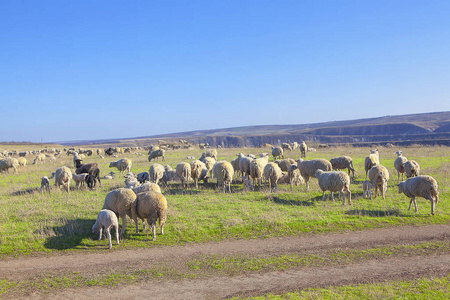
<point x="39" y="158"/>
<point x="155" y="154"/>
<point x="367" y="189"/>
<point x="308" y="168"/>
<point x="257" y="169"/>
<point x="143" y="177"/>
<point x="198" y="171"/>
<point x="45" y="184"/>
<point x="235" y="164"/>
<point x="399" y="164"/>
<point x="110" y="175"/>
<point x="119" y="201"/>
<point x="285" y="163"/>
<point x="272" y="173"/>
<point x="151" y="206"/>
<point x="131" y="181"/>
<point x="79" y="179"/>
<point x="286" y="146"/>
<point x="209" y="163"/>
<point x="123" y="165"/>
<point x="304" y="149"/>
<point x="90" y="181"/>
<point x="412" y="168"/>
<point x="295" y="178"/>
<point x="62" y="177"/>
<point x="284" y="179"/>
<point x="247" y="184"/>
<point x="156" y="172"/>
<point x="184" y="173"/>
<point x="294" y="145"/>
<point x="106" y="219"/>
<point x="169" y="175"/>
<point x="343" y="162"/>
<point x="379" y="176"/>
<point x="244" y="166"/>
<point x="8" y="163"/>
<point x="224" y="172"/>
<point x="209" y="153"/>
<point x="334" y="181"/>
<point x="92" y="169"/>
<point x="372" y="160"/>
<point x="148" y="186"/>
<point x="420" y="186"/>
<point x="22" y="161"/>
<point x="277" y="152"/>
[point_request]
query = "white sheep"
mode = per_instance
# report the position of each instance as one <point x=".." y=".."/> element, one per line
<point x="308" y="168"/>
<point x="379" y="176"/>
<point x="272" y="173"/>
<point x="198" y="171"/>
<point x="119" y="201"/>
<point x="156" y="172"/>
<point x="372" y="160"/>
<point x="123" y="165"/>
<point x="257" y="169"/>
<point x="367" y="189"/>
<point x="247" y="184"/>
<point x="148" y="186"/>
<point x="286" y="146"/>
<point x="209" y="153"/>
<point x="131" y="182"/>
<point x="244" y="166"/>
<point x="39" y="158"/>
<point x="45" y="184"/>
<point x="62" y="177"/>
<point x="22" y="161"/>
<point x="183" y="170"/>
<point x="277" y="152"/>
<point x="334" y="181"/>
<point x="304" y="149"/>
<point x="421" y="186"/>
<point x="106" y="219"/>
<point x="155" y="154"/>
<point x="412" y="168"/>
<point x="295" y="178"/>
<point x="399" y="163"/>
<point x="209" y="163"/>
<point x="151" y="206"/>
<point x="79" y="179"/>
<point x="343" y="162"/>
<point x="169" y="175"/>
<point x="224" y="172"/>
<point x="8" y="163"/>
<point x="285" y="163"/>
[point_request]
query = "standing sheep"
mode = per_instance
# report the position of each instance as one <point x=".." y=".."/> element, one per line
<point x="22" y="161"/>
<point x="198" y="171"/>
<point x="8" y="163"/>
<point x="295" y="178"/>
<point x="143" y="177"/>
<point x="372" y="160"/>
<point x="286" y="146"/>
<point x="334" y="181"/>
<point x="379" y="176"/>
<point x="62" y="177"/>
<point x="257" y="169"/>
<point x="224" y="172"/>
<point x="303" y="149"/>
<point x="235" y="164"/>
<point x="285" y="163"/>
<point x="169" y="175"/>
<point x="277" y="152"/>
<point x="367" y="189"/>
<point x="308" y="168"/>
<point x="148" y="186"/>
<point x="45" y="184"/>
<point x="155" y="154"/>
<point x="412" y="168"/>
<point x="79" y="179"/>
<point x="421" y="186"/>
<point x="343" y="162"/>
<point x="119" y="201"/>
<point x="123" y="165"/>
<point x="272" y="173"/>
<point x="39" y="158"/>
<point x="106" y="219"/>
<point x="399" y="164"/>
<point x="209" y="153"/>
<point x="156" y="172"/>
<point x="209" y="163"/>
<point x="244" y="166"/>
<point x="151" y="206"/>
<point x="184" y="173"/>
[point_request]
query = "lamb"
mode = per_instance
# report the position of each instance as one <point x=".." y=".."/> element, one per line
<point x="244" y="166"/>
<point x="148" y="186"/>
<point x="8" y="163"/>
<point x="106" y="219"/>
<point x="379" y="176"/>
<point x="120" y="201"/>
<point x="303" y="149"/>
<point x="143" y="177"/>
<point x="257" y="169"/>
<point x="209" y="153"/>
<point x="412" y="168"/>
<point x="308" y="168"/>
<point x="372" y="160"/>
<point x="79" y="179"/>
<point x="224" y="172"/>
<point x="277" y="152"/>
<point x="334" y="181"/>
<point x="285" y="163"/>
<point x="184" y="173"/>
<point x="286" y="146"/>
<point x="295" y="178"/>
<point x="45" y="184"/>
<point x="423" y="186"/>
<point x="156" y="173"/>
<point x="62" y="177"/>
<point x="272" y="173"/>
<point x="209" y="163"/>
<point x="399" y="164"/>
<point x="155" y="154"/>
<point x="22" y="161"/>
<point x="90" y="181"/>
<point x="198" y="171"/>
<point x="151" y="206"/>
<point x="39" y="158"/>
<point x="367" y="189"/>
<point x="123" y="165"/>
<point x="92" y="169"/>
<point x="343" y="162"/>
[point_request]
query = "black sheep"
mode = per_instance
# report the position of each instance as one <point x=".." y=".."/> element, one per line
<point x="92" y="169"/>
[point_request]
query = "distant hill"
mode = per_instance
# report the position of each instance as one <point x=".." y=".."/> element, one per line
<point x="426" y="128"/>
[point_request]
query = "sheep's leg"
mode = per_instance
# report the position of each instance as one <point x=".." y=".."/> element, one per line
<point x="410" y="203"/>
<point x="432" y="204"/>
<point x="116" y="228"/>
<point x="124" y="225"/>
<point x="307" y="183"/>
<point x="323" y="196"/>
<point x="349" y="197"/>
<point x="154" y="230"/>
<point x="100" y="235"/>
<point x="415" y="204"/>
<point x="332" y="195"/>
<point x="108" y="235"/>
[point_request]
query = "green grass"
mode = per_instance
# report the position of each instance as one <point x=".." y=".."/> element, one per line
<point x="32" y="222"/>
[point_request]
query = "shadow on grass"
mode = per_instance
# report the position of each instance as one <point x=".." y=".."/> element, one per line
<point x="181" y="191"/>
<point x="69" y="235"/>
<point x="375" y="212"/>
<point x="27" y="191"/>
<point x="292" y="202"/>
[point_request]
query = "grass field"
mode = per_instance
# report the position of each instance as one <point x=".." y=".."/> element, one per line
<point x="32" y="222"/>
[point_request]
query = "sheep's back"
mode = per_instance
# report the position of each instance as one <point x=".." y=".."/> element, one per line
<point x="119" y="200"/>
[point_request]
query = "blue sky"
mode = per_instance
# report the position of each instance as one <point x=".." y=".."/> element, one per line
<point x="82" y="70"/>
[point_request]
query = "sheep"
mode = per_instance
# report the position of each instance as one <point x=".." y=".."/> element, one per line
<point x="294" y="145"/>
<point x="264" y="154"/>
<point x="244" y="166"/>
<point x="62" y="177"/>
<point x="412" y="168"/>
<point x="155" y="154"/>
<point x="308" y="168"/>
<point x="45" y="184"/>
<point x="277" y="152"/>
<point x="8" y="163"/>
<point x="295" y="178"/>
<point x="143" y="177"/>
<point x="334" y="181"/>
<point x="247" y="184"/>
<point x="251" y="156"/>
<point x="209" y="163"/>
<point x="148" y="186"/>
<point x="379" y="176"/>
<point x="131" y="181"/>
<point x="184" y="173"/>
<point x="286" y="146"/>
<point x="285" y="163"/>
<point x="90" y="181"/>
<point x="22" y="161"/>
<point x="120" y="201"/>
<point x="423" y="186"/>
<point x="156" y="172"/>
<point x="304" y="149"/>
<point x="151" y="206"/>
<point x="235" y="164"/>
<point x="399" y="164"/>
<point x="209" y="153"/>
<point x="372" y="160"/>
<point x="92" y="169"/>
<point x="79" y="179"/>
<point x="39" y="158"/>
<point x="284" y="179"/>
<point x="76" y="157"/>
<point x="169" y="175"/>
<point x="190" y="157"/>
<point x="224" y="172"/>
<point x="110" y="175"/>
<point x="343" y="162"/>
<point x="272" y="173"/>
<point x="257" y="169"/>
<point x="106" y="219"/>
<point x="123" y="165"/>
<point x="367" y="189"/>
<point x="198" y="172"/>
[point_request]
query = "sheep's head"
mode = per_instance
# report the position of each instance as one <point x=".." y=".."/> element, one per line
<point x="318" y="173"/>
<point x="401" y="187"/>
<point x="399" y="153"/>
